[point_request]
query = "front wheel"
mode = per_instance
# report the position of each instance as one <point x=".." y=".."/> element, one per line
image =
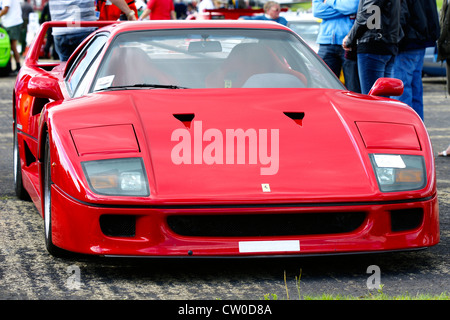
<point x="47" y="196"/>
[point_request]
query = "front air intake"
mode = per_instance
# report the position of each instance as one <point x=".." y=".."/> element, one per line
<point x="406" y="219"/>
<point x="258" y="225"/>
<point x="118" y="225"/>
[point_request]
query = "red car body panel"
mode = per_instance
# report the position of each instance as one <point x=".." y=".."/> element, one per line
<point x="323" y="170"/>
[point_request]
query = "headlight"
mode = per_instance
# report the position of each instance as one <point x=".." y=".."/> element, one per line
<point x="399" y="172"/>
<point x="121" y="177"/>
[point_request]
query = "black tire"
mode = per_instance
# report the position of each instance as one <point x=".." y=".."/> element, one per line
<point x="47" y="198"/>
<point x="20" y="191"/>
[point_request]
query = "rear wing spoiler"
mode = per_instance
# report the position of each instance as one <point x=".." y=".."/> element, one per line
<point x="33" y="53"/>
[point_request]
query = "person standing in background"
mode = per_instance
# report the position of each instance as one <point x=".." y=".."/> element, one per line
<point x="180" y="9"/>
<point x="68" y="39"/>
<point x="337" y="17"/>
<point x="159" y="10"/>
<point x="205" y="5"/>
<point x="272" y="11"/>
<point x="375" y="34"/>
<point x="11" y="17"/>
<point x="444" y="50"/>
<point x="26" y="10"/>
<point x="49" y="48"/>
<point x="109" y="11"/>
<point x="443" y="42"/>
<point x="420" y="24"/>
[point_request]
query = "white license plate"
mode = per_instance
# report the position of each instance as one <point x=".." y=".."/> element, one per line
<point x="269" y="246"/>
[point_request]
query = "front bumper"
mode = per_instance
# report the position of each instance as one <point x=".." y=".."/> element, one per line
<point x="202" y="231"/>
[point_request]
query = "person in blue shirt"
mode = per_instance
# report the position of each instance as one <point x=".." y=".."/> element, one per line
<point x="337" y="17"/>
<point x="272" y="11"/>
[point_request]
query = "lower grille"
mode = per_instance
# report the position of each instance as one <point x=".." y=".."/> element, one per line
<point x="259" y="225"/>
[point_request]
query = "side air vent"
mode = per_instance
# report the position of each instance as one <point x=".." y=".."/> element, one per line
<point x="38" y="105"/>
<point x="29" y="157"/>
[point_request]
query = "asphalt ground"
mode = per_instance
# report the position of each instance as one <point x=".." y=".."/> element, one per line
<point x="28" y="272"/>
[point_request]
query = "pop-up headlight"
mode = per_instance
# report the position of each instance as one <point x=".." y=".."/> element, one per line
<point x="121" y="177"/>
<point x="399" y="172"/>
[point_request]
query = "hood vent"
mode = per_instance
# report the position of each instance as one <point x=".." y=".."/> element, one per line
<point x="185" y="118"/>
<point x="296" y="116"/>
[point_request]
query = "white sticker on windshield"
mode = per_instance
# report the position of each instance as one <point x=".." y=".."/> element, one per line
<point x="104" y="82"/>
<point x="389" y="161"/>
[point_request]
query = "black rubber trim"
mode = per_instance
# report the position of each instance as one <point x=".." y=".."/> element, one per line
<point x="256" y="206"/>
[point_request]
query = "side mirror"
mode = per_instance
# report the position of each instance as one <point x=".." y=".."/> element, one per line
<point x="44" y="87"/>
<point x="387" y="87"/>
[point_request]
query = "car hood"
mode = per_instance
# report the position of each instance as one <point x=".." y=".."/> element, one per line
<point x="247" y="145"/>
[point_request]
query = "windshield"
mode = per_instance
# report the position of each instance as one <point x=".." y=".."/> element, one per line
<point x="308" y="30"/>
<point x="212" y="58"/>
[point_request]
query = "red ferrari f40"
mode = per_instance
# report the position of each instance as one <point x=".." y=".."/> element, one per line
<point x="216" y="138"/>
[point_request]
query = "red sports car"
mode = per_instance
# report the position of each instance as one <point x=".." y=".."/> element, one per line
<point x="216" y="138"/>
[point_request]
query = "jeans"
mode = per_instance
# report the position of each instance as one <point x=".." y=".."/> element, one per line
<point x="66" y="44"/>
<point x="334" y="56"/>
<point x="408" y="68"/>
<point x="374" y="66"/>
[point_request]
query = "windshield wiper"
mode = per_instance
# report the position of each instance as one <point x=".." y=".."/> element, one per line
<point x="143" y="85"/>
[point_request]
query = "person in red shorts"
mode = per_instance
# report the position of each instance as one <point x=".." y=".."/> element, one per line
<point x="110" y="11"/>
<point x="159" y="10"/>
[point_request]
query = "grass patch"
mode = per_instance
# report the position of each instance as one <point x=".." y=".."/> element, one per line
<point x="378" y="295"/>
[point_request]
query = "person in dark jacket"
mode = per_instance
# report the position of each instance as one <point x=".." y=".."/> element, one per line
<point x="420" y="24"/>
<point x="375" y="34"/>
<point x="443" y="42"/>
